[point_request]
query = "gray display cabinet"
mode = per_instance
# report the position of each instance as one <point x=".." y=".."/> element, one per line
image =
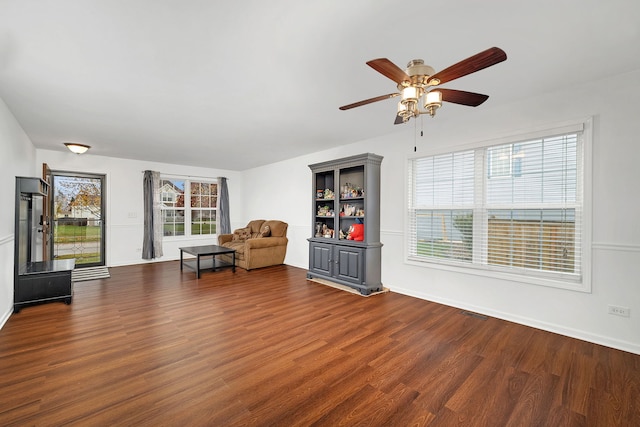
<point x="346" y="197"/>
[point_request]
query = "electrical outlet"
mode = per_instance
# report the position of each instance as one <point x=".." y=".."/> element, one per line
<point x="619" y="311"/>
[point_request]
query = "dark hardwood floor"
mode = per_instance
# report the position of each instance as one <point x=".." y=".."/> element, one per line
<point x="154" y="346"/>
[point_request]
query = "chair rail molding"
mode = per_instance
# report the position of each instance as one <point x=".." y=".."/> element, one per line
<point x="6" y="239"/>
<point x="607" y="246"/>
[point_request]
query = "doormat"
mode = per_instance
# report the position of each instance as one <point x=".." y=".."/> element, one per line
<point x="89" y="273"/>
<point x="346" y="288"/>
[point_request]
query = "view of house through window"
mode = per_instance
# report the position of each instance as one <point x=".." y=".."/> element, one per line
<point x="511" y="207"/>
<point x="188" y="202"/>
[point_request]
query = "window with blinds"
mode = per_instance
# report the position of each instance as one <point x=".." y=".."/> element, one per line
<point x="514" y="207"/>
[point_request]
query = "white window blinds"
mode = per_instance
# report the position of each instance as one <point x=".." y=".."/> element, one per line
<point x="441" y="206"/>
<point x="533" y="213"/>
<point x="512" y="207"/>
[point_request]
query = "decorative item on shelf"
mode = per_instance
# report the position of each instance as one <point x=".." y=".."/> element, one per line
<point x="326" y="231"/>
<point x="318" y="229"/>
<point x="356" y="231"/>
<point x="328" y="194"/>
<point x="324" y="210"/>
<point x="348" y="209"/>
<point x="344" y="190"/>
<point x="349" y="191"/>
<point x="360" y="212"/>
<point x="319" y="194"/>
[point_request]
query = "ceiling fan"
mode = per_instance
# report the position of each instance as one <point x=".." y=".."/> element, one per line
<point x="418" y="85"/>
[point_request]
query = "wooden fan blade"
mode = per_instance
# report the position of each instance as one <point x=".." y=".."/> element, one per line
<point x="470" y="65"/>
<point x="389" y="69"/>
<point x="463" y="98"/>
<point x="369" y="101"/>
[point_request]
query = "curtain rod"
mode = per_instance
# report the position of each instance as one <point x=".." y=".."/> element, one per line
<point x="190" y="176"/>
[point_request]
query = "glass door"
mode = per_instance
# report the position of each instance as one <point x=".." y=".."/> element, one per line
<point x="45" y="219"/>
<point x="78" y="218"/>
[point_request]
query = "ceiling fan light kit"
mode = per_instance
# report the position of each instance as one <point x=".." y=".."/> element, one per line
<point x="418" y="84"/>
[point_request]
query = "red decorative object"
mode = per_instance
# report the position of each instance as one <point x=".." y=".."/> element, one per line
<point x="356" y="232"/>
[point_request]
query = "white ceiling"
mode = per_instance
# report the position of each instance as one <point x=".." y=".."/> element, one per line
<point x="242" y="83"/>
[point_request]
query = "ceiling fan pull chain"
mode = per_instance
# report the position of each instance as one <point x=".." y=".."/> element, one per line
<point x="415" y="135"/>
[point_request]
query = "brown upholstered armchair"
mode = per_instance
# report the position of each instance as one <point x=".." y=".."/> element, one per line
<point x="260" y="244"/>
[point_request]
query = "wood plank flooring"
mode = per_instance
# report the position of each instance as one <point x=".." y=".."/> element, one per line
<point x="152" y="346"/>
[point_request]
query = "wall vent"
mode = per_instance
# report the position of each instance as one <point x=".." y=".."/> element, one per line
<point x="472" y="314"/>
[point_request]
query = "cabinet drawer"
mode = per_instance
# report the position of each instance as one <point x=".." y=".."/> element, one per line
<point x="43" y="286"/>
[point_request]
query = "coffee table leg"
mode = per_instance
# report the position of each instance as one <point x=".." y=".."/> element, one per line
<point x="180" y="259"/>
<point x="233" y="262"/>
<point x="198" y="266"/>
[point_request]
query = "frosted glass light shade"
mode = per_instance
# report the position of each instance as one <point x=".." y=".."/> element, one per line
<point x="433" y="98"/>
<point x="77" y="148"/>
<point x="410" y="93"/>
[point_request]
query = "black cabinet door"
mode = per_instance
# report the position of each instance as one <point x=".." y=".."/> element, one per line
<point x="38" y="287"/>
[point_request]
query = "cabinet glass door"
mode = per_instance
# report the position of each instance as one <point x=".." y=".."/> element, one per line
<point x="352" y="198"/>
<point x="324" y="205"/>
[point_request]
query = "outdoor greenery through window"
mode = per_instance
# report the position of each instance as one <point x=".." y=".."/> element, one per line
<point x="516" y="207"/>
<point x="188" y="202"/>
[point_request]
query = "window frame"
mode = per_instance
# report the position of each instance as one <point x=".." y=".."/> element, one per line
<point x="188" y="208"/>
<point x="581" y="283"/>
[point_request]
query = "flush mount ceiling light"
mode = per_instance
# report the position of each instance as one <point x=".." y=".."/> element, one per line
<point x="77" y="148"/>
<point x="418" y="84"/>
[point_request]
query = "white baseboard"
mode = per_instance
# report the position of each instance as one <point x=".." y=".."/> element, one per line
<point x="5" y="317"/>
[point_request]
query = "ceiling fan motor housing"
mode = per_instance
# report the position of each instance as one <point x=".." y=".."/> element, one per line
<point x="419" y="73"/>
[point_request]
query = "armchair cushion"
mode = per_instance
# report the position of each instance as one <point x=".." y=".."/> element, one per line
<point x="265" y="231"/>
<point x="278" y="228"/>
<point x="241" y="234"/>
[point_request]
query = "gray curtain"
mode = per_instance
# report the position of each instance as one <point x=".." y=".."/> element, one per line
<point x="152" y="240"/>
<point x="224" y="222"/>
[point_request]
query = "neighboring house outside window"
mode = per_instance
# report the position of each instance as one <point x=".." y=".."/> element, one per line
<point x="188" y="206"/>
<point x="515" y="208"/>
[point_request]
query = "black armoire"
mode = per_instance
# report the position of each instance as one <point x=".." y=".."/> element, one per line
<point x="35" y="281"/>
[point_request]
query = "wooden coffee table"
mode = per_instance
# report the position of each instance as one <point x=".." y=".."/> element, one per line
<point x="207" y="250"/>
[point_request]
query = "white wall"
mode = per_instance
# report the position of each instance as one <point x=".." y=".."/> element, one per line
<point x="16" y="159"/>
<point x="124" y="211"/>
<point x="616" y="208"/>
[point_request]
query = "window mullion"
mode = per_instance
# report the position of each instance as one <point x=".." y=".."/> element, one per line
<point x="479" y="210"/>
<point x="187" y="208"/>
